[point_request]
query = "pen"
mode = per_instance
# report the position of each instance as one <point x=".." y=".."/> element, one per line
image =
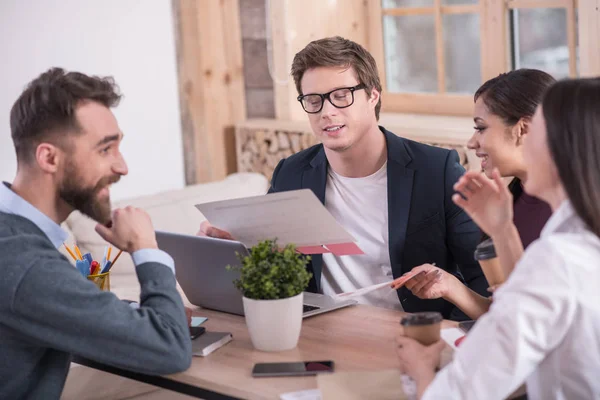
<point x="88" y="257"/>
<point x="106" y="267"/>
<point x="104" y="259"/>
<point x="94" y="267"/>
<point x="108" y="255"/>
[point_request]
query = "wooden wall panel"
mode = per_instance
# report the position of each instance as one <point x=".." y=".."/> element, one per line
<point x="589" y="38"/>
<point x="293" y="25"/>
<point x="211" y="85"/>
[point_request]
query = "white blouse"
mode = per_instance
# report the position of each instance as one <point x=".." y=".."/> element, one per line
<point x="543" y="327"/>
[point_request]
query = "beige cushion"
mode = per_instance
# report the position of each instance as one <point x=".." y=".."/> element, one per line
<point x="172" y="211"/>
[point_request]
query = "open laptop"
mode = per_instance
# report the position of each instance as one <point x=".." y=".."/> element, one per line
<point x="200" y="268"/>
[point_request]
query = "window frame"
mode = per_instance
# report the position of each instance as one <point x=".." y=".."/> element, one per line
<point x="495" y="49"/>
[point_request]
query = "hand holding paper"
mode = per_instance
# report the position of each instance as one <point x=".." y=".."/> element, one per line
<point x="395" y="285"/>
<point x="295" y="216"/>
<point x="363" y="291"/>
<point x="431" y="282"/>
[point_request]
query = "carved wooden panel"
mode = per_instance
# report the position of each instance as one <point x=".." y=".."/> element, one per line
<point x="259" y="149"/>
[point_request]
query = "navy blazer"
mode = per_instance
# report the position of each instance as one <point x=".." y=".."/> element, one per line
<point x="425" y="226"/>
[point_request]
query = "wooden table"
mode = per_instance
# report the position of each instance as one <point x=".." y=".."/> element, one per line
<point x="357" y="338"/>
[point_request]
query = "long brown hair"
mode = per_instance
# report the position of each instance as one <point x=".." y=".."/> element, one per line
<point x="571" y="109"/>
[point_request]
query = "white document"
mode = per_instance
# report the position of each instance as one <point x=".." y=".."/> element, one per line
<point x="365" y="290"/>
<point x="450" y="335"/>
<point x="296" y="217"/>
<point x="392" y="285"/>
<point x="311" y="394"/>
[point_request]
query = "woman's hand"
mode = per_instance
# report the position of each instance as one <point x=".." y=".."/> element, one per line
<point x="418" y="361"/>
<point x="488" y="202"/>
<point x="430" y="282"/>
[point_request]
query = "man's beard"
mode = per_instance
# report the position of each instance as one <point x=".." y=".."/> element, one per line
<point x="85" y="199"/>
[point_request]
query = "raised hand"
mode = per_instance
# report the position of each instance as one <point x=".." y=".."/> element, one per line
<point x="487" y="201"/>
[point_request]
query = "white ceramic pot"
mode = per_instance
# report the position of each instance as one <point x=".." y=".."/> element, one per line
<point x="274" y="325"/>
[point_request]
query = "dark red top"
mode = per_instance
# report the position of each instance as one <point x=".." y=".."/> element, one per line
<point x="530" y="216"/>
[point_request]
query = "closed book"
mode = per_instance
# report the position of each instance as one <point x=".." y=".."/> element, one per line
<point x="208" y="342"/>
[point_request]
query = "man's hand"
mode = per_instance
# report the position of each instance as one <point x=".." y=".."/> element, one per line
<point x="206" y="229"/>
<point x="131" y="230"/>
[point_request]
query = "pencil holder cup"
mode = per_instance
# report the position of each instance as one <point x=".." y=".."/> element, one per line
<point x="101" y="280"/>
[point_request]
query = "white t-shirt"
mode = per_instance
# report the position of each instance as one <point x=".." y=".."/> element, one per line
<point x="360" y="205"/>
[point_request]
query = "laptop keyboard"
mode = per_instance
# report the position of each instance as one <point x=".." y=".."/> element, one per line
<point x="307" y="308"/>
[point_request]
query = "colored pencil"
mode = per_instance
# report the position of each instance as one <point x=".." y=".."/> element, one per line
<point x="117" y="257"/>
<point x="70" y="252"/>
<point x="78" y="252"/>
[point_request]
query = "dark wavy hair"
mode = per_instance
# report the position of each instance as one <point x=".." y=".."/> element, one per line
<point x="45" y="111"/>
<point x="512" y="96"/>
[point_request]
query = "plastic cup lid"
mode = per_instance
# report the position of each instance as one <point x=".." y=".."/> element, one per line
<point x="422" y="318"/>
<point x="485" y="250"/>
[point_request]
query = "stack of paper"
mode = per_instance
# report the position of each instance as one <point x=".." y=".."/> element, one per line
<point x="312" y="394"/>
<point x="295" y="216"/>
<point x="388" y="384"/>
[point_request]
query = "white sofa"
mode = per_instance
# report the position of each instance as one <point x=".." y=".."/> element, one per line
<point x="170" y="211"/>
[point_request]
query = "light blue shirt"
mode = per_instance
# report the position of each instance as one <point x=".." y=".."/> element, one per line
<point x="12" y="203"/>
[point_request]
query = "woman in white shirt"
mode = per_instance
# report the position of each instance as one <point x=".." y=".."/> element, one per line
<point x="543" y="327"/>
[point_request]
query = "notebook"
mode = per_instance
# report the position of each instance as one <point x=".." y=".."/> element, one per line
<point x="208" y="342"/>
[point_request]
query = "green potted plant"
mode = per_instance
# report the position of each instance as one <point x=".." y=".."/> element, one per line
<point x="272" y="282"/>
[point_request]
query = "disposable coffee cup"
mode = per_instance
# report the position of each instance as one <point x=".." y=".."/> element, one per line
<point x="425" y="327"/>
<point x="485" y="254"/>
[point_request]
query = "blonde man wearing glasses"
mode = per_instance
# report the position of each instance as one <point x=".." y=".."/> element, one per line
<point x="392" y="194"/>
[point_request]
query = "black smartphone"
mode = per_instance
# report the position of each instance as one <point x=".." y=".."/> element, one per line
<point x="196" y="331"/>
<point x="301" y="368"/>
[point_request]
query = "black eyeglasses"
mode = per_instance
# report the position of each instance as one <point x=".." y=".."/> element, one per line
<point x="339" y="98"/>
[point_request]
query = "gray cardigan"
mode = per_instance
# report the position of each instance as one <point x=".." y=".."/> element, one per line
<point x="48" y="311"/>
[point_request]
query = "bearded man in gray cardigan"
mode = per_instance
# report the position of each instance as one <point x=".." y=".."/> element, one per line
<point x="67" y="143"/>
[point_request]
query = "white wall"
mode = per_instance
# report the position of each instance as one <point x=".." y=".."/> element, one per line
<point x="132" y="40"/>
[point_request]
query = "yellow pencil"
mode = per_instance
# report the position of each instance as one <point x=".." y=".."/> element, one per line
<point x="116" y="258"/>
<point x="69" y="251"/>
<point x="78" y="252"/>
<point x="108" y="254"/>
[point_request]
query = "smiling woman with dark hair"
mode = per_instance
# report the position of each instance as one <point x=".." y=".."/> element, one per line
<point x="504" y="107"/>
<point x="544" y="325"/>
<point x="502" y="115"/>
